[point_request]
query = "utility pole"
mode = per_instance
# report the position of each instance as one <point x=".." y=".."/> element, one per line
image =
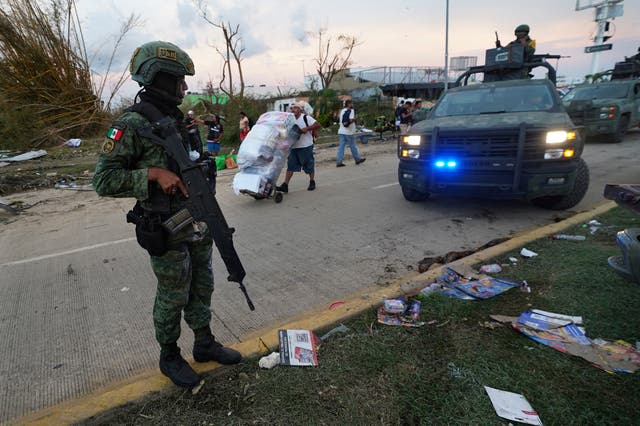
<point x="446" y="49"/>
<point x="605" y="10"/>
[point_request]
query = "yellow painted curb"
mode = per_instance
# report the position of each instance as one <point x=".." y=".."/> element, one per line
<point x="253" y="344"/>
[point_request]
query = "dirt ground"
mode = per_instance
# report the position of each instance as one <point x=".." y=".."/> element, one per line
<point x="61" y="164"/>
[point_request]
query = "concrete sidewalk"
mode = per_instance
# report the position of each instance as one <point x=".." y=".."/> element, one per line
<point x="265" y="340"/>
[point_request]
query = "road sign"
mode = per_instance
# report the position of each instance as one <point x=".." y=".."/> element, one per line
<point x="598" y="48"/>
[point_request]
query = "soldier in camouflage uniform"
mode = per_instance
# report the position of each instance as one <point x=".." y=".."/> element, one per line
<point x="132" y="166"/>
<point x="522" y="37"/>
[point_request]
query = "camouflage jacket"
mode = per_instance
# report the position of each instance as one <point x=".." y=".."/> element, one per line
<point x="123" y="164"/>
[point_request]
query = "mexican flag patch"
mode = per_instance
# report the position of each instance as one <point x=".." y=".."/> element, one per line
<point x="115" y="133"/>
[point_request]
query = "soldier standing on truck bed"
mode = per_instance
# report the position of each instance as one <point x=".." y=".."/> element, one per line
<point x="522" y="37"/>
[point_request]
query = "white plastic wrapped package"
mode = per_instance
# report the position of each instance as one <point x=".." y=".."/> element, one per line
<point x="264" y="151"/>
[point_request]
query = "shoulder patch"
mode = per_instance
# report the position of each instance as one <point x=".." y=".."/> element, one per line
<point x="115" y="133"/>
<point x="107" y="146"/>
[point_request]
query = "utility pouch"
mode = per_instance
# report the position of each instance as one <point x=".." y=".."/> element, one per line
<point x="150" y="234"/>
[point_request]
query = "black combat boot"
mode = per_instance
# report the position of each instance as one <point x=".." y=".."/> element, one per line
<point x="207" y="349"/>
<point x="177" y="369"/>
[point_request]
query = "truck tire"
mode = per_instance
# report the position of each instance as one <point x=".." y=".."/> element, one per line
<point x="563" y="202"/>
<point x="411" y="194"/>
<point x="621" y="130"/>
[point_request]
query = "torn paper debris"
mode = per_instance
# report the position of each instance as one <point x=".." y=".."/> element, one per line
<point x="512" y="406"/>
<point x="570" y="318"/>
<point x="527" y="253"/>
<point x="298" y="347"/>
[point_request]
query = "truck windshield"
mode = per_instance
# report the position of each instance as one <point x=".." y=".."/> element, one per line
<point x="494" y="100"/>
<point x="598" y="92"/>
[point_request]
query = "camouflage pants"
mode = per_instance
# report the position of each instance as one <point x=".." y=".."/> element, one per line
<point x="185" y="283"/>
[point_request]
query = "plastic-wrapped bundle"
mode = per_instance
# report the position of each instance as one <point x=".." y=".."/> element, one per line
<point x="264" y="151"/>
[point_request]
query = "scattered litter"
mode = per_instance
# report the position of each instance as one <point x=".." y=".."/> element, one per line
<point x="432" y="288"/>
<point x="196" y="388"/>
<point x="527" y="253"/>
<point x="298" y="347"/>
<point x="568" y="237"/>
<point x="513" y="259"/>
<point x="414" y="310"/>
<point x="512" y="406"/>
<point x="490" y="269"/>
<point x="594" y="223"/>
<point x="73" y="143"/>
<point x="4" y="205"/>
<point x="64" y="184"/>
<point x="571" y="318"/>
<point x="395" y="306"/>
<point x="336" y="304"/>
<point x="611" y="356"/>
<point x="397" y="318"/>
<point x="541" y="322"/>
<point x="123" y="289"/>
<point x="269" y="361"/>
<point x="26" y="156"/>
<point x="339" y="329"/>
<point x="468" y="285"/>
<point x="524" y="287"/>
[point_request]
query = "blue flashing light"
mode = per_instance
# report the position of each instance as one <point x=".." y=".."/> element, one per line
<point x="450" y="164"/>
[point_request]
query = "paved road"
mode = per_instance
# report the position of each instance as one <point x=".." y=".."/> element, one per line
<point x="76" y="291"/>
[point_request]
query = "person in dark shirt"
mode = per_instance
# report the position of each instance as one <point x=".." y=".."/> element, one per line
<point x="215" y="131"/>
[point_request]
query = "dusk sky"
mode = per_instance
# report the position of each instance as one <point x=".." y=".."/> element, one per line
<point x="411" y="33"/>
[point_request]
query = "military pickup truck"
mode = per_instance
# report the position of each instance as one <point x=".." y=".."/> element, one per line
<point x="508" y="137"/>
<point x="605" y="110"/>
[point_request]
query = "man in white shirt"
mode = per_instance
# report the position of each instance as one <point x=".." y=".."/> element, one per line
<point x="347" y="128"/>
<point x="301" y="154"/>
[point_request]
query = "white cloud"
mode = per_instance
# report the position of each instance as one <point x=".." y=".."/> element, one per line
<point x="409" y="32"/>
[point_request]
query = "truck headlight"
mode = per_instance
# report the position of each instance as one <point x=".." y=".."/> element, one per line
<point x="412" y="140"/>
<point x="560" y="136"/>
<point x="410" y="153"/>
<point x="608" y="112"/>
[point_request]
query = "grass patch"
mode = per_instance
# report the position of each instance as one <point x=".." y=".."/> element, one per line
<point x="377" y="374"/>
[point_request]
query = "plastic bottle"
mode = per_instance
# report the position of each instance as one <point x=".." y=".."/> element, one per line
<point x="568" y="237"/>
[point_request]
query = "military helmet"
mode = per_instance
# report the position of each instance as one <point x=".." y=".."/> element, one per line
<point x="153" y="57"/>
<point x="523" y="28"/>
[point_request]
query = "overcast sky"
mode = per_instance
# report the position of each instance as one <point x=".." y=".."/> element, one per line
<point x="411" y="33"/>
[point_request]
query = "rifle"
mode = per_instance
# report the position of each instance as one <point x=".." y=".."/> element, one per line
<point x="201" y="204"/>
<point x="498" y="44"/>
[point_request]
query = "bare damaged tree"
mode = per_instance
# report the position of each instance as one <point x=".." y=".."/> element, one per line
<point x="131" y="22"/>
<point x="46" y="90"/>
<point x="332" y="59"/>
<point x="231" y="55"/>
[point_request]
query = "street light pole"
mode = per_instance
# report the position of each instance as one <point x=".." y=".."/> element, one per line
<point x="446" y="49"/>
